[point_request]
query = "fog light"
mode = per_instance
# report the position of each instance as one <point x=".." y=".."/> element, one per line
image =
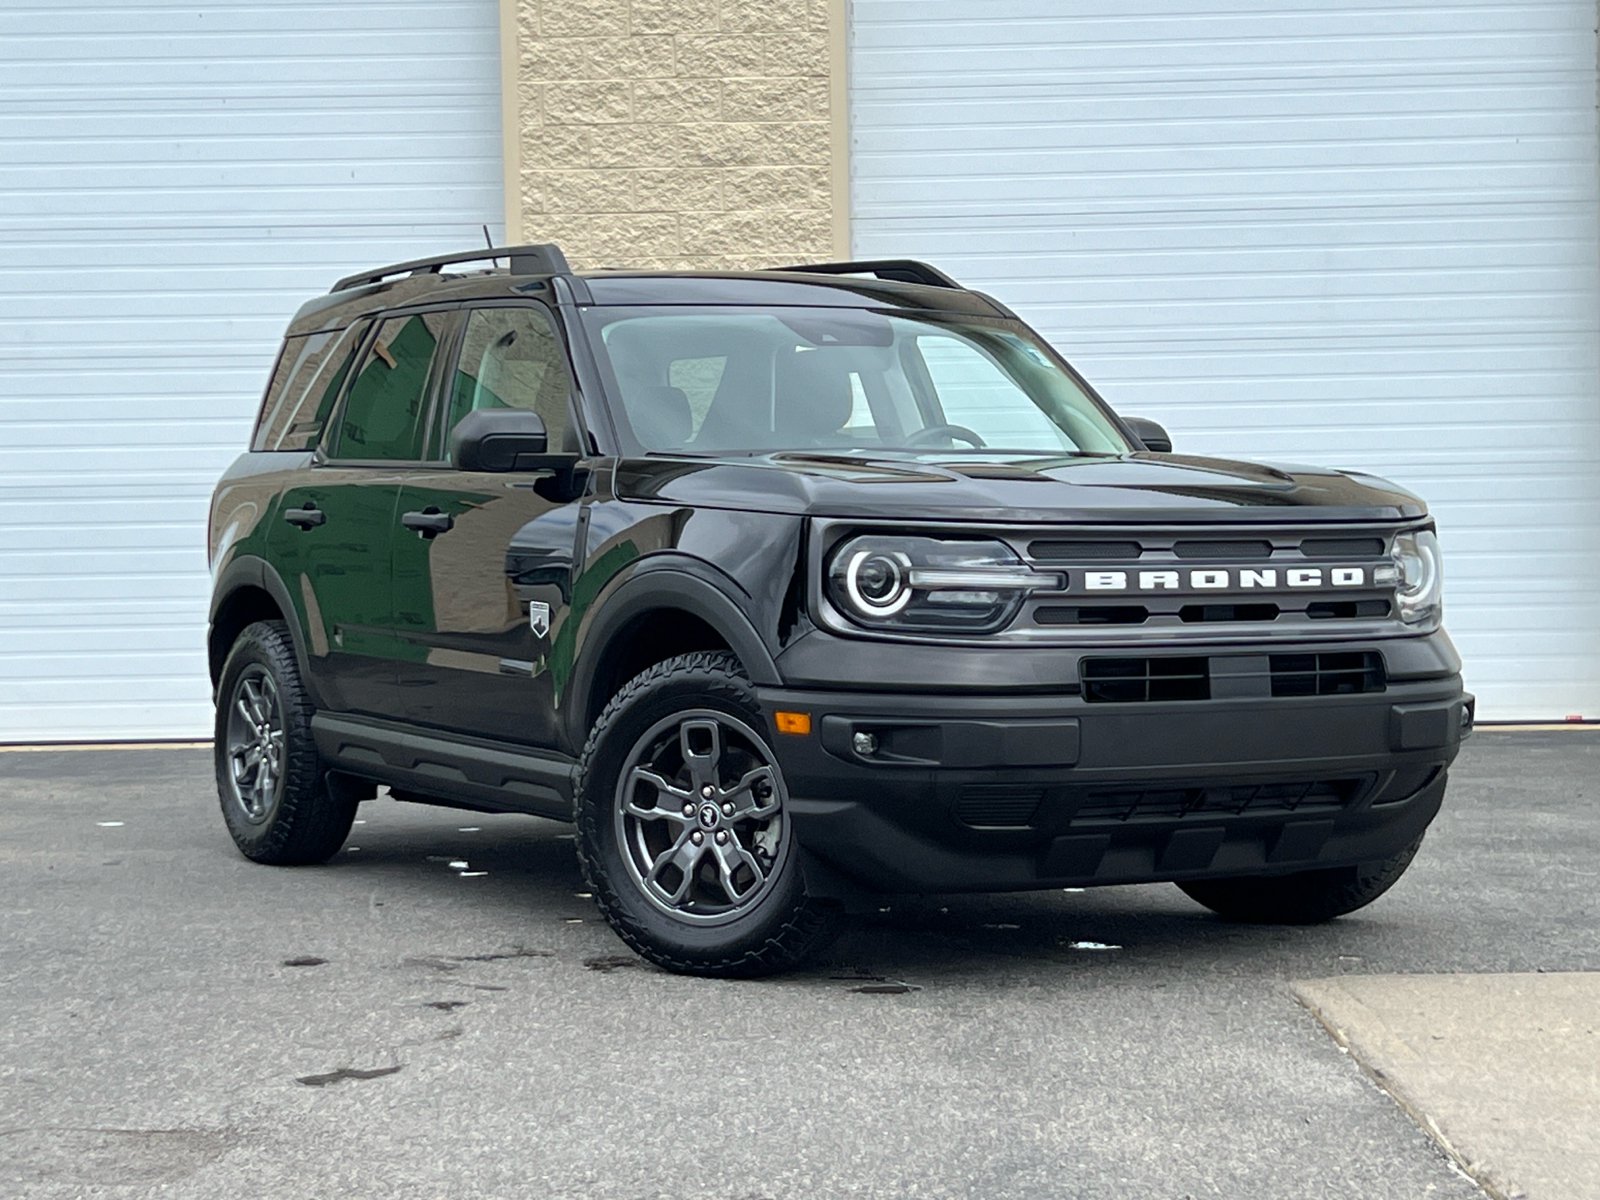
<point x="865" y="743"/>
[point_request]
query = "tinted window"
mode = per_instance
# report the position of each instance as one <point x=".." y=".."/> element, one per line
<point x="273" y="400"/>
<point x="303" y="389"/>
<point x="383" y="412"/>
<point x="510" y="358"/>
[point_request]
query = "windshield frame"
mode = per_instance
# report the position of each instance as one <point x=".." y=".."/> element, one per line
<point x="593" y="319"/>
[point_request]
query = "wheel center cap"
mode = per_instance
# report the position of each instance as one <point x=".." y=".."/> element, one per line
<point x="709" y="815"/>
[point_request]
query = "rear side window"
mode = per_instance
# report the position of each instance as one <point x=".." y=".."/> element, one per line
<point x="383" y="412"/>
<point x="303" y="389"/>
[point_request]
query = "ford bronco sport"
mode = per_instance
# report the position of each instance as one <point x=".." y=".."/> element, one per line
<point x="790" y="586"/>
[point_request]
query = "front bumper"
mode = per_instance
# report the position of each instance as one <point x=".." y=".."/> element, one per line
<point x="1009" y="792"/>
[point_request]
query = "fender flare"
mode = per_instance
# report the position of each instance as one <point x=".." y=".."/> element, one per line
<point x="663" y="581"/>
<point x="247" y="570"/>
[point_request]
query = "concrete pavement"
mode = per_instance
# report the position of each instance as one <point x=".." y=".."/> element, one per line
<point x="476" y="1031"/>
<point x="1503" y="1070"/>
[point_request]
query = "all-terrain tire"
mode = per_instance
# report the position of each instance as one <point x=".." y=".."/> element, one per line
<point x="294" y="820"/>
<point x="781" y="927"/>
<point x="1305" y="898"/>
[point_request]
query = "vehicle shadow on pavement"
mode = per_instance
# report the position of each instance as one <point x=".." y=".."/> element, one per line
<point x="525" y="870"/>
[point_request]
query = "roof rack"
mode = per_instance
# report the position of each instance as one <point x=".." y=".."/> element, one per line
<point x="897" y="270"/>
<point x="545" y="259"/>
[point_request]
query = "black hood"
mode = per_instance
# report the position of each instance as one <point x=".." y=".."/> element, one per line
<point x="1042" y="489"/>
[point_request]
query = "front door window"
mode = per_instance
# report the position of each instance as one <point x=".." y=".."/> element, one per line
<point x="510" y="359"/>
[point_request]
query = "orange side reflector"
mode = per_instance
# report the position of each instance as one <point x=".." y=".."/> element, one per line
<point x="792" y="722"/>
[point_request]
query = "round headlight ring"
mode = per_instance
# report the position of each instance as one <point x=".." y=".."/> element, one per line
<point x="1417" y="562"/>
<point x="878" y="582"/>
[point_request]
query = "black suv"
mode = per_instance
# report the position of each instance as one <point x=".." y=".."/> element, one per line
<point x="791" y="586"/>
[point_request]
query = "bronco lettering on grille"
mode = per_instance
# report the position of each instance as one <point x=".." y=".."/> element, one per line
<point x="1225" y="579"/>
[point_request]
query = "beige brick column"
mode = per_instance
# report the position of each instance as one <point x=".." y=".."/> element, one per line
<point x="676" y="133"/>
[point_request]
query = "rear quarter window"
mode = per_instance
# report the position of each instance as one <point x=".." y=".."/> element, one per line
<point x="311" y="368"/>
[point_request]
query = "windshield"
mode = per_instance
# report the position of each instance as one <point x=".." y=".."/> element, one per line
<point x="747" y="380"/>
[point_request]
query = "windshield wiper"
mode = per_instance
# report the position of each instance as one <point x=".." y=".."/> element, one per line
<point x="1002" y="452"/>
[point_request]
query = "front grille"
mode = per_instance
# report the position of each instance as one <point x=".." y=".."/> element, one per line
<point x="1123" y="680"/>
<point x="1097" y="614"/>
<point x="1196" y="613"/>
<point x="1340" y="674"/>
<point x="1179" y="579"/>
<point x="1219" y="551"/>
<point x="1323" y="610"/>
<point x="1062" y="551"/>
<point x="1204" y="614"/>
<point x="1169" y="803"/>
<point x="1137" y="680"/>
<point x="1336" y="548"/>
<point x="998" y="805"/>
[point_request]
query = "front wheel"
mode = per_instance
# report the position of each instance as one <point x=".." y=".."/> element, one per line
<point x="1305" y="898"/>
<point x="683" y="829"/>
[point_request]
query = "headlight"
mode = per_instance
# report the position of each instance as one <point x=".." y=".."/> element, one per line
<point x="1418" y="577"/>
<point x="925" y="583"/>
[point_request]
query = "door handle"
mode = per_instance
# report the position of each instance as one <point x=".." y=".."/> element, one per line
<point x="308" y="517"/>
<point x="429" y="522"/>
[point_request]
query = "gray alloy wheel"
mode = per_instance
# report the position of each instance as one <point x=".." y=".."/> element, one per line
<point x="271" y="781"/>
<point x="700" y="815"/>
<point x="683" y="829"/>
<point x="254" y="745"/>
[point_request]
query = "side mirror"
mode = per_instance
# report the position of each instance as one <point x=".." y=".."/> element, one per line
<point x="501" y="439"/>
<point x="1152" y="435"/>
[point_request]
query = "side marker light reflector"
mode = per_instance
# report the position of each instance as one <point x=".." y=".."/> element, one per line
<point x="792" y="722"/>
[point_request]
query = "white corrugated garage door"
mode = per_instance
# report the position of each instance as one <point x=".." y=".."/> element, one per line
<point x="1360" y="234"/>
<point x="174" y="181"/>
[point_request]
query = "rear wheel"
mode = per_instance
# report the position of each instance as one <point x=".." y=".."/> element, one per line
<point x="270" y="779"/>
<point x="1305" y="898"/>
<point x="683" y="830"/>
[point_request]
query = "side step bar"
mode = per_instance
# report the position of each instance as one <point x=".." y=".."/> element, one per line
<point x="492" y="776"/>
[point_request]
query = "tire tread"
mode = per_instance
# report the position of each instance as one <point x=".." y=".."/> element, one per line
<point x="810" y="926"/>
<point x="1305" y="898"/>
<point x="310" y="823"/>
